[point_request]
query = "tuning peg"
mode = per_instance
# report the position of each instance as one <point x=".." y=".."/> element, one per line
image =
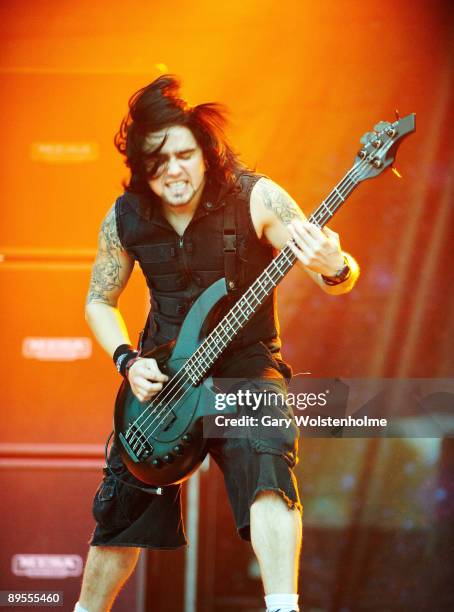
<point x="381" y="126"/>
<point x="368" y="136"/>
<point x="396" y="172"/>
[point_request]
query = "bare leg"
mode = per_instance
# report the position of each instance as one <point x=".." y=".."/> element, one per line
<point x="276" y="533"/>
<point x="106" y="570"/>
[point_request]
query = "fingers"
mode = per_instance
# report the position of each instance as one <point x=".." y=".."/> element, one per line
<point x="151" y="370"/>
<point x="306" y="234"/>
<point x="312" y="239"/>
<point x="148" y="368"/>
<point x="144" y="390"/>
<point x="329" y="232"/>
<point x="316" y="248"/>
<point x="333" y="237"/>
<point x="311" y="230"/>
<point x="309" y="240"/>
<point x="298" y="252"/>
<point x="146" y="379"/>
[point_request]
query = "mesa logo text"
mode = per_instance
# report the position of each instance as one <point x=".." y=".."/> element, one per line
<point x="46" y="566"/>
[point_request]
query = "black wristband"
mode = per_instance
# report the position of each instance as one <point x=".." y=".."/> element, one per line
<point x="124" y="360"/>
<point x="341" y="275"/>
<point x="130" y="362"/>
<point x="122" y="356"/>
<point x="122" y="348"/>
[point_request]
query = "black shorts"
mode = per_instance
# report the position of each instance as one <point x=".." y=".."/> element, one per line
<point x="250" y="464"/>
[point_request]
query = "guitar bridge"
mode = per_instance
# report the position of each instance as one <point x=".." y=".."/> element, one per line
<point x="136" y="444"/>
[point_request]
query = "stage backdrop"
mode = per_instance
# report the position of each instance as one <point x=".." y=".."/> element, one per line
<point x="303" y="81"/>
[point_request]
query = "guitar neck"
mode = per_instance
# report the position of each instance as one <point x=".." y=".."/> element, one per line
<point x="244" y="309"/>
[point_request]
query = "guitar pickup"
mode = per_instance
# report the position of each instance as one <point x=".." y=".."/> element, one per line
<point x="168" y="420"/>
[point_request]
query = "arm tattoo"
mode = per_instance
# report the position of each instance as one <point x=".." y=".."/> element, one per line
<point x="278" y="201"/>
<point x="106" y="269"/>
<point x="109" y="231"/>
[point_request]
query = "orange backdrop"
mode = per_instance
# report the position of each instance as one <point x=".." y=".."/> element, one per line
<point x="303" y="82"/>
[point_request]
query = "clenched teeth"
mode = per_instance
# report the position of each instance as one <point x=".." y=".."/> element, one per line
<point x="177" y="184"/>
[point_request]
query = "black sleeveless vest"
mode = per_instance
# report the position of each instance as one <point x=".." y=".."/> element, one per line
<point x="178" y="268"/>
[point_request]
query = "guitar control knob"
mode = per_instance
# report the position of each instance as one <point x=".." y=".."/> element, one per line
<point x="157" y="463"/>
<point x="187" y="438"/>
<point x="169" y="458"/>
<point x="178" y="449"/>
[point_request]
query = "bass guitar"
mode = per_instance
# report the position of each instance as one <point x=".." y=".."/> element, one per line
<point x="161" y="441"/>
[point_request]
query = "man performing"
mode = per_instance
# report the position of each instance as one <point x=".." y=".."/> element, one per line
<point x="186" y="186"/>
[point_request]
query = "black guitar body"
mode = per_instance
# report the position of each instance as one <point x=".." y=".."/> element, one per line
<point x="161" y="441"/>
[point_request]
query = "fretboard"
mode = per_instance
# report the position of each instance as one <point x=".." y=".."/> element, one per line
<point x="244" y="309"/>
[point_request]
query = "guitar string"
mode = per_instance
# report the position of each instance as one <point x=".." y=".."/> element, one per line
<point x="186" y="371"/>
<point x="352" y="177"/>
<point x="180" y="389"/>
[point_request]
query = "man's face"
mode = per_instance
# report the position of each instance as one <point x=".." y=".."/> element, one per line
<point x="181" y="172"/>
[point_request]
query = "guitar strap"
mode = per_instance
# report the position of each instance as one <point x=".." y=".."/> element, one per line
<point x="230" y="244"/>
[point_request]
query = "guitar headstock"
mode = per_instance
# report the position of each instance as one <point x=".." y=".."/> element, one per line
<point x="380" y="146"/>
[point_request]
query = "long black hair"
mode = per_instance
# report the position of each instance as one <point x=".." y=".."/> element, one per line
<point x="159" y="105"/>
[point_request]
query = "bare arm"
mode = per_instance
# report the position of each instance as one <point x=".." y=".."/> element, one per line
<point x="110" y="275"/>
<point x="277" y="217"/>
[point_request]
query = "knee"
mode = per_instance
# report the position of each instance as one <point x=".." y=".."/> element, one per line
<point x="103" y="559"/>
<point x="273" y="511"/>
<point x="275" y="500"/>
<point x="265" y="499"/>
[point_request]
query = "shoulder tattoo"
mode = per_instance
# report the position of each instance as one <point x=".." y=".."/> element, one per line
<point x="278" y="201"/>
<point x="108" y="233"/>
<point x="105" y="276"/>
